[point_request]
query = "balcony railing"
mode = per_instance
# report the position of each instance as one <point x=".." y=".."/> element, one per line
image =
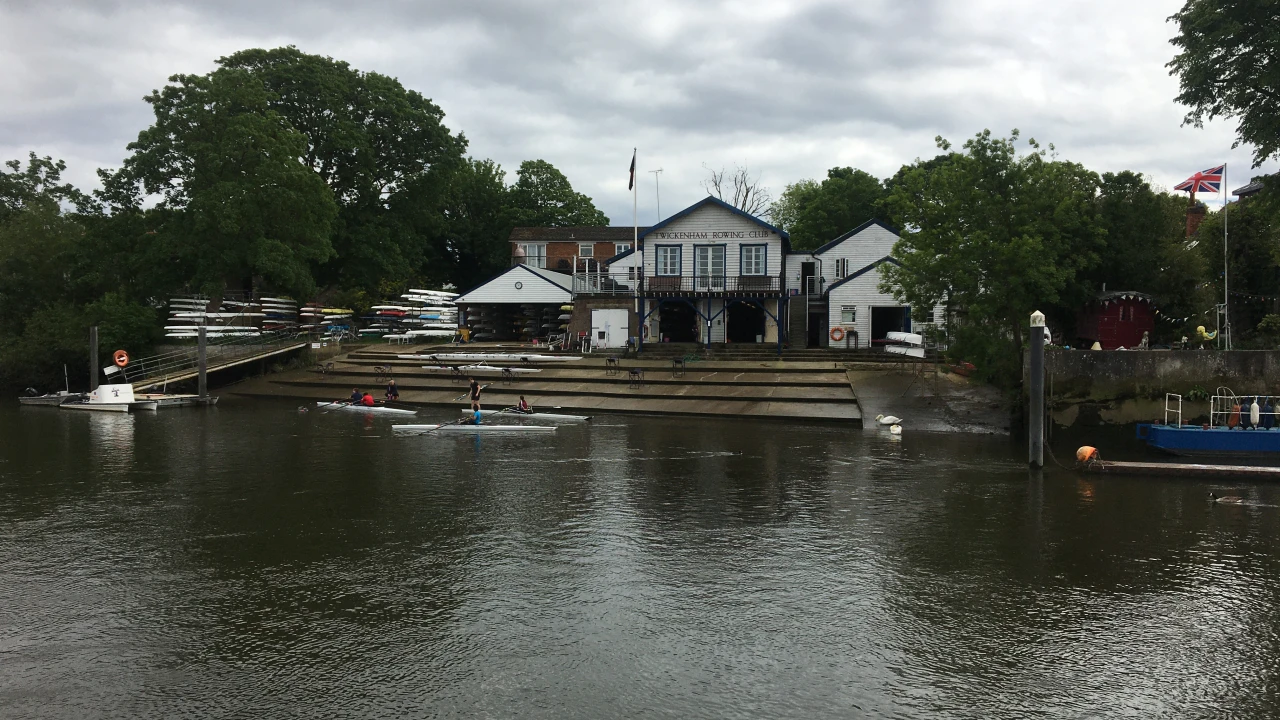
<point x="702" y="284"/>
<point x="603" y="284"/>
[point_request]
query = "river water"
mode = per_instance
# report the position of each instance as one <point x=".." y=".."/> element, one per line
<point x="251" y="561"/>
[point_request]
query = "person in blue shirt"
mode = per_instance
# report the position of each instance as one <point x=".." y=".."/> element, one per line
<point x="475" y="417"/>
<point x="356" y="396"/>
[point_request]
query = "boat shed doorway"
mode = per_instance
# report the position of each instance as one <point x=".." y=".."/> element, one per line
<point x="745" y="323"/>
<point x="677" y="322"/>
<point x="885" y="320"/>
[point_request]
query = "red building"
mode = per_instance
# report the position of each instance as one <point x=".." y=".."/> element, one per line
<point x="1116" y="320"/>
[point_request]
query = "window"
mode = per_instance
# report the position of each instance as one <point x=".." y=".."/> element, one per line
<point x="842" y="267"/>
<point x="633" y="272"/>
<point x="708" y="268"/>
<point x="535" y="254"/>
<point x="848" y="314"/>
<point x="667" y="260"/>
<point x="586" y="250"/>
<point x="619" y="248"/>
<point x="753" y="260"/>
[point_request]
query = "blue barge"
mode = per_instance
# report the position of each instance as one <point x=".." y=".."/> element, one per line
<point x="1238" y="427"/>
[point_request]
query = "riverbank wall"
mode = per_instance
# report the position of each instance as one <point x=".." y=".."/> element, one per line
<point x="1091" y="387"/>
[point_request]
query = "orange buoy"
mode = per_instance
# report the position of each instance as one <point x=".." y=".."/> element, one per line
<point x="1234" y="418"/>
<point x="837" y="334"/>
<point x="120" y="357"/>
<point x="1086" y="453"/>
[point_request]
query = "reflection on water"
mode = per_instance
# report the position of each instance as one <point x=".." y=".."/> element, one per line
<point x="201" y="562"/>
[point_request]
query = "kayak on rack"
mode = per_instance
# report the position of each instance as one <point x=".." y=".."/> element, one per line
<point x="376" y="409"/>
<point x="472" y="357"/>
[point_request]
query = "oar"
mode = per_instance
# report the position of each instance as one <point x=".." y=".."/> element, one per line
<point x="455" y="422"/>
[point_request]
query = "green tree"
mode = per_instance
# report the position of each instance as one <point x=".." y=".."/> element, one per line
<point x="1228" y="65"/>
<point x="478" y="223"/>
<point x="543" y="197"/>
<point x="997" y="234"/>
<point x="845" y="199"/>
<point x="1146" y="248"/>
<point x="1252" y="247"/>
<point x="383" y="150"/>
<point x="785" y="211"/>
<point x="235" y="199"/>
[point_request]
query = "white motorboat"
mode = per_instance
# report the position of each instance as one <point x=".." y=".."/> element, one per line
<point x="111" y="398"/>
<point x="373" y="410"/>
<point x="57" y="398"/>
<point x="456" y="428"/>
<point x="556" y="417"/>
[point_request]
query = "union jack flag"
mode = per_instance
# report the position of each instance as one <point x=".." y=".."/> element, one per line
<point x="1208" y="181"/>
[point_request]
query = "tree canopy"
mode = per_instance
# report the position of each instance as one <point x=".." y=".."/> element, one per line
<point x="815" y="213"/>
<point x="998" y="234"/>
<point x="1228" y="65"/>
<point x="543" y="197"/>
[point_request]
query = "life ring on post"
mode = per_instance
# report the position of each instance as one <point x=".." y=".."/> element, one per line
<point x="837" y="334"/>
<point x="120" y="358"/>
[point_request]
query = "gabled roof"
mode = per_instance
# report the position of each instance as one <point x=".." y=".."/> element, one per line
<point x="863" y="271"/>
<point x="559" y="280"/>
<point x="579" y="234"/>
<point x="855" y="231"/>
<point x="1252" y="188"/>
<point x="709" y="200"/>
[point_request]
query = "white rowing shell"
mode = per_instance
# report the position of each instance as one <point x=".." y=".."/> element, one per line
<point x="472" y="428"/>
<point x="376" y="409"/>
<point x="533" y="416"/>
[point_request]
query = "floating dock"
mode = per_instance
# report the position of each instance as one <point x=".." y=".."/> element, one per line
<point x="1187" y="470"/>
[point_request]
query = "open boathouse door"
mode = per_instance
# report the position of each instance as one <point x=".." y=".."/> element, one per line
<point x="677" y="322"/>
<point x="745" y="323"/>
<point x="885" y="320"/>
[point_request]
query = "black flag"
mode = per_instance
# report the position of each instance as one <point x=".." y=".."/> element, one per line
<point x="632" y="181"/>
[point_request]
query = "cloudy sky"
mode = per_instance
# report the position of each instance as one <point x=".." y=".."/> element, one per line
<point x="787" y="89"/>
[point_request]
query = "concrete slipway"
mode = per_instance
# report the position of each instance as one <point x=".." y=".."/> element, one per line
<point x="764" y="387"/>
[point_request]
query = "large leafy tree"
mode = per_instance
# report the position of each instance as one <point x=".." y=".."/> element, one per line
<point x="815" y="213"/>
<point x="56" y="280"/>
<point x="1146" y="248"/>
<point x="543" y="197"/>
<point x="382" y="149"/>
<point x="235" y="198"/>
<point x="1254" y="257"/>
<point x="477" y="224"/>
<point x="1228" y="65"/>
<point x="998" y="234"/>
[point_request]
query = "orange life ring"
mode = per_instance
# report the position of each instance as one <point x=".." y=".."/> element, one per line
<point x="120" y="357"/>
<point x="837" y="334"/>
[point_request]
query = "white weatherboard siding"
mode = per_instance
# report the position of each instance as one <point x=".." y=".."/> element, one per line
<point x="714" y="225"/>
<point x="534" y="286"/>
<point x="863" y="292"/>
<point x="795" y="263"/>
<point x="860" y="250"/>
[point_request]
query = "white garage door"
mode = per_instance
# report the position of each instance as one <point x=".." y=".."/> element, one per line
<point x="609" y="328"/>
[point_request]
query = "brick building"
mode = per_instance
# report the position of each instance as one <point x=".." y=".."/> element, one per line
<point x="557" y="248"/>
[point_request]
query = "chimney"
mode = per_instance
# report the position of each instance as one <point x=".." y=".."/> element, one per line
<point x="1195" y="215"/>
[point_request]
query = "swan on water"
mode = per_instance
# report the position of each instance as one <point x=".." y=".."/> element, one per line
<point x="888" y="420"/>
<point x="895" y="429"/>
<point x="1226" y="499"/>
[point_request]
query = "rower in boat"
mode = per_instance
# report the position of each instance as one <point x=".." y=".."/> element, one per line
<point x="475" y="417"/>
<point x="393" y="393"/>
<point x="356" y="396"/>
<point x="367" y="400"/>
<point x="523" y="407"/>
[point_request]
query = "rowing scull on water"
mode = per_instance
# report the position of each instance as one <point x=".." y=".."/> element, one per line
<point x="532" y="415"/>
<point x="351" y="407"/>
<point x="468" y="428"/>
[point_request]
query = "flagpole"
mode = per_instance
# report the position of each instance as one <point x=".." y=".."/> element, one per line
<point x="635" y="252"/>
<point x="1226" y="297"/>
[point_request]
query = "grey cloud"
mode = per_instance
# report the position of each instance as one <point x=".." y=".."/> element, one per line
<point x="788" y="88"/>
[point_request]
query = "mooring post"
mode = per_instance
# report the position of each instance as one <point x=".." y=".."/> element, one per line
<point x="93" y="358"/>
<point x="1035" y="415"/>
<point x="202" y="363"/>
